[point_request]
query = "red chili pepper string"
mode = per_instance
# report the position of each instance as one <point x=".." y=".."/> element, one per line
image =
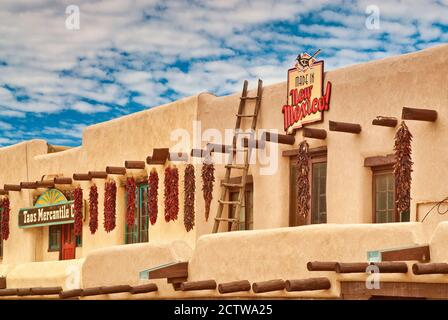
<point x="93" y="209"/>
<point x="153" y="187"/>
<point x="77" y="194"/>
<point x="110" y="195"/>
<point x="189" y="190"/>
<point x="5" y="218"/>
<point x="130" y="210"/>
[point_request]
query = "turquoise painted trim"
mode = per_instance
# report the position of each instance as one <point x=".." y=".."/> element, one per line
<point x="144" y="275"/>
<point x="47" y="224"/>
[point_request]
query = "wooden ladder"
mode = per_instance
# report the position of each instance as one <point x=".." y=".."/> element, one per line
<point x="226" y="185"/>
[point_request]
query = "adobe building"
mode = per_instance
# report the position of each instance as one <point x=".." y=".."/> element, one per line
<point x="350" y="130"/>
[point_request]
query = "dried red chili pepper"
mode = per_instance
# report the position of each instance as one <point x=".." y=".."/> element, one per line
<point x="403" y="169"/>
<point x="171" y="194"/>
<point x="110" y="194"/>
<point x="189" y="190"/>
<point x="153" y="187"/>
<point x="93" y="209"/>
<point x="208" y="178"/>
<point x="4" y="228"/>
<point x="130" y="209"/>
<point x="77" y="194"/>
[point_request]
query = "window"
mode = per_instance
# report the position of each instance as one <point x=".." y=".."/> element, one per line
<point x="54" y="238"/>
<point x="318" y="186"/>
<point x="139" y="231"/>
<point x="384" y="196"/>
<point x="246" y="220"/>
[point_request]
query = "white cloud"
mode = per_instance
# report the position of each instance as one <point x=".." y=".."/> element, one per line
<point x="5" y="126"/>
<point x="88" y="108"/>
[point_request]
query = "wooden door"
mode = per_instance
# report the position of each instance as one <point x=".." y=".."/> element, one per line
<point x="68" y="242"/>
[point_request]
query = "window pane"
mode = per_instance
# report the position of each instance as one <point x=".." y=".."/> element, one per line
<point x="318" y="193"/>
<point x="384" y="197"/>
<point x="54" y="237"/>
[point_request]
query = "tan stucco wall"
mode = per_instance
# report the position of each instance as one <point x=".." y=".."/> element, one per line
<point x="359" y="94"/>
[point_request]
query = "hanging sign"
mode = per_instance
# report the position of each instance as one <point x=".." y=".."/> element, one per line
<point x="51" y="208"/>
<point x="306" y="100"/>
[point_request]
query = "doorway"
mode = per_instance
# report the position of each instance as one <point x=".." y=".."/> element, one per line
<point x="68" y="242"/>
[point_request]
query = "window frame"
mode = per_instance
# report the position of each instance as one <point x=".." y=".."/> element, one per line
<point x="141" y="187"/>
<point x="316" y="155"/>
<point x="249" y="189"/>
<point x="319" y="158"/>
<point x="382" y="170"/>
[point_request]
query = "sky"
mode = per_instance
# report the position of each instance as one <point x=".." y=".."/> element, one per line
<point x="131" y="55"/>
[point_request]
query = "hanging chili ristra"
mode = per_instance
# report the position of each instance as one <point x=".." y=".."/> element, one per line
<point x="4" y="228"/>
<point x="93" y="209"/>
<point x="303" y="183"/>
<point x="171" y="194"/>
<point x="153" y="187"/>
<point x="130" y="192"/>
<point x="77" y="207"/>
<point x="208" y="178"/>
<point x="403" y="169"/>
<point x="110" y="193"/>
<point x="189" y="190"/>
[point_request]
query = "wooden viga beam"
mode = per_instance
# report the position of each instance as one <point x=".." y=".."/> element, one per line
<point x="385" y="121"/>
<point x="345" y="127"/>
<point x="12" y="187"/>
<point x="268" y="286"/>
<point x="320" y="134"/>
<point x="3" y="192"/>
<point x="430" y="268"/>
<point x="198" y="285"/>
<point x="361" y="267"/>
<point x="310" y="284"/>
<point x="28" y="185"/>
<point x="70" y="294"/>
<point x="129" y="164"/>
<point x="419" y="114"/>
<point x="81" y="177"/>
<point x="45" y="184"/>
<point x="98" y="174"/>
<point x="63" y="180"/>
<point x="234" y="286"/>
<point x="278" y="138"/>
<point x="321" y="266"/>
<point x="116" y="170"/>
<point x="144" y="288"/>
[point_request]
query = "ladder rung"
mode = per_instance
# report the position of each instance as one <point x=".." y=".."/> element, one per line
<point x="246" y="115"/>
<point x="235" y="166"/>
<point x="236" y="185"/>
<point x="228" y="202"/>
<point x="227" y="219"/>
<point x="249" y="98"/>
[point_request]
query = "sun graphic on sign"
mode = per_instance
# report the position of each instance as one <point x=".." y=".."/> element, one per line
<point x="50" y="197"/>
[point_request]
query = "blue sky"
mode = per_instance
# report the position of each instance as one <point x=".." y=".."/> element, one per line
<point x="130" y="55"/>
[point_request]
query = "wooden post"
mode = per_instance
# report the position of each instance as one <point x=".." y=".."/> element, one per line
<point x="70" y="294"/>
<point x="63" y="180"/>
<point x="385" y="121"/>
<point x="128" y="164"/>
<point x="234" y="286"/>
<point x="98" y="174"/>
<point x="308" y="284"/>
<point x="345" y="127"/>
<point x="12" y="187"/>
<point x="391" y="267"/>
<point x="81" y="177"/>
<point x="2" y="282"/>
<point x="42" y="291"/>
<point x="419" y="114"/>
<point x="23" y="292"/>
<point x="267" y="286"/>
<point x="116" y="170"/>
<point x="352" y="267"/>
<point x="150" y="287"/>
<point x="314" y="133"/>
<point x="321" y="266"/>
<point x="198" y="285"/>
<point x="28" y="185"/>
<point x="116" y="289"/>
<point x="91" y="292"/>
<point x="8" y="292"/>
<point x="278" y="138"/>
<point x="430" y="268"/>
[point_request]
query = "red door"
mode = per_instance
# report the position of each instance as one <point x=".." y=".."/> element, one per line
<point x="68" y="242"/>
